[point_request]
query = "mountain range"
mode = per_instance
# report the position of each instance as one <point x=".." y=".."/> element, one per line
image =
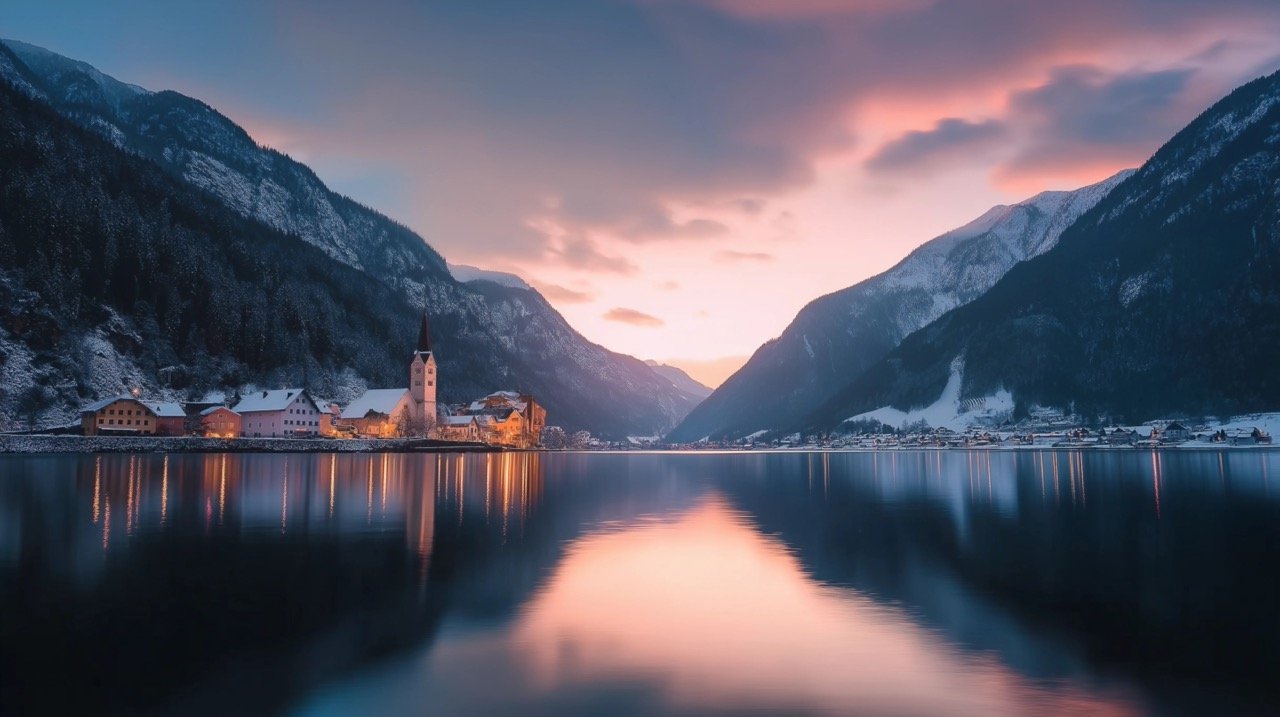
<point x="490" y="334"/>
<point x="148" y="242"/>
<point x="1153" y="293"/>
<point x="682" y="380"/>
<point x="838" y="336"/>
<point x="1163" y="299"/>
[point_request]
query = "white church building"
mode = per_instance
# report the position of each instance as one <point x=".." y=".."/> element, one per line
<point x="387" y="412"/>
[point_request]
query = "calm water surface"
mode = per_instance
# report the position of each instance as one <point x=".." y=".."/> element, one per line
<point x="932" y="583"/>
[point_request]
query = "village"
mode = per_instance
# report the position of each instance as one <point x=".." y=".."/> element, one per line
<point x="515" y="420"/>
<point x="507" y="419"/>
<point x="1154" y="434"/>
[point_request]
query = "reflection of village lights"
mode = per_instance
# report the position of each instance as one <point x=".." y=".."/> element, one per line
<point x="333" y="481"/>
<point x="284" y="498"/>
<point x="97" y="488"/>
<point x="222" y="490"/>
<point x="164" y="491"/>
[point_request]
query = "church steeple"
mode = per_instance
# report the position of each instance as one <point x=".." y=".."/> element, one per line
<point x="422" y="381"/>
<point x="424" y="336"/>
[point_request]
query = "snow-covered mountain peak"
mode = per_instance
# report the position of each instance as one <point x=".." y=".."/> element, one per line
<point x="836" y="337"/>
<point x="465" y="273"/>
<point x="77" y="81"/>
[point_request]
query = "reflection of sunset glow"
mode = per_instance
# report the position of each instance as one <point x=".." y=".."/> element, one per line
<point x="734" y="621"/>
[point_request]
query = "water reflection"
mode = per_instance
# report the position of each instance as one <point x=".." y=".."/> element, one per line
<point x="935" y="582"/>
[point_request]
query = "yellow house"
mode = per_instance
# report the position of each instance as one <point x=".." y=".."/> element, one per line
<point x="378" y="413"/>
<point x="120" y="415"/>
<point x="508" y="418"/>
<point x="460" y="428"/>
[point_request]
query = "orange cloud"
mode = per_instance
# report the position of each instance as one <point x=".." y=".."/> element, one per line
<point x="563" y="294"/>
<point x="624" y="315"/>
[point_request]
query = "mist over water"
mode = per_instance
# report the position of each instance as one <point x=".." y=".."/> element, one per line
<point x="957" y="583"/>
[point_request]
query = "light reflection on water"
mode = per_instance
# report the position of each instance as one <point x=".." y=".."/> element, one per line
<point x="958" y="583"/>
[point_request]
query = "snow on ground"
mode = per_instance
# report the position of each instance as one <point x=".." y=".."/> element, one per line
<point x="949" y="411"/>
<point x="1269" y="422"/>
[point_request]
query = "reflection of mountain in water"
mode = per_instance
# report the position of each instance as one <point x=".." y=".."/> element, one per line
<point x="1066" y="565"/>
<point x="198" y="584"/>
<point x="233" y="580"/>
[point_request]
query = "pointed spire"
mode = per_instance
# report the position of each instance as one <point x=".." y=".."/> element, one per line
<point x="424" y="336"/>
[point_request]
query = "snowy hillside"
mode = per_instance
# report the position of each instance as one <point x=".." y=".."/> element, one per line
<point x="1160" y="301"/>
<point x="499" y="336"/>
<point x="836" y="337"/>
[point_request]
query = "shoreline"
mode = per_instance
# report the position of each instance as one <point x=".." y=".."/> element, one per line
<point x="30" y="444"/>
<point x="22" y="444"/>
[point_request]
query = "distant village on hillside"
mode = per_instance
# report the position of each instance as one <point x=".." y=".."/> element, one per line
<point x="504" y="418"/>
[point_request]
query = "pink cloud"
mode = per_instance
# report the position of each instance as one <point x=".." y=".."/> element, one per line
<point x="733" y="255"/>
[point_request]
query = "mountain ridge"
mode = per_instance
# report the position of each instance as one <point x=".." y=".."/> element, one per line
<point x="500" y="337"/>
<point x="680" y="378"/>
<point x="1162" y="299"/>
<point x="837" y="336"/>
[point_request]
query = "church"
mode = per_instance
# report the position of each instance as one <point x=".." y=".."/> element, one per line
<point x="390" y="412"/>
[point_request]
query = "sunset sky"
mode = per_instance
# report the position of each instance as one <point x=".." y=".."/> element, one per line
<point x="679" y="177"/>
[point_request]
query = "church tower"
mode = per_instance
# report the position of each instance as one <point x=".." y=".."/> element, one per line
<point x="422" y="379"/>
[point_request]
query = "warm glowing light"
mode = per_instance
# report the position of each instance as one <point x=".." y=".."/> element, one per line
<point x="734" y="620"/>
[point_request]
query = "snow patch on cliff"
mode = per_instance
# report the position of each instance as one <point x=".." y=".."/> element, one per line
<point x="949" y="411"/>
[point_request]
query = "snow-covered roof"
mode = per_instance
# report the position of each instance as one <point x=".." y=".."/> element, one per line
<point x="103" y="403"/>
<point x="167" y="409"/>
<point x="379" y="400"/>
<point x="277" y="400"/>
<point x="458" y="420"/>
<point x="498" y="400"/>
<point x="214" y="409"/>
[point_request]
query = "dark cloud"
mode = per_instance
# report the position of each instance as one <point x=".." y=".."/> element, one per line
<point x="748" y="205"/>
<point x="656" y="224"/>
<point x="631" y="316"/>
<point x="951" y="139"/>
<point x="733" y="255"/>
<point x="1086" y="114"/>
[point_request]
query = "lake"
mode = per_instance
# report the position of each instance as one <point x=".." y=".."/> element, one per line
<point x="903" y="583"/>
